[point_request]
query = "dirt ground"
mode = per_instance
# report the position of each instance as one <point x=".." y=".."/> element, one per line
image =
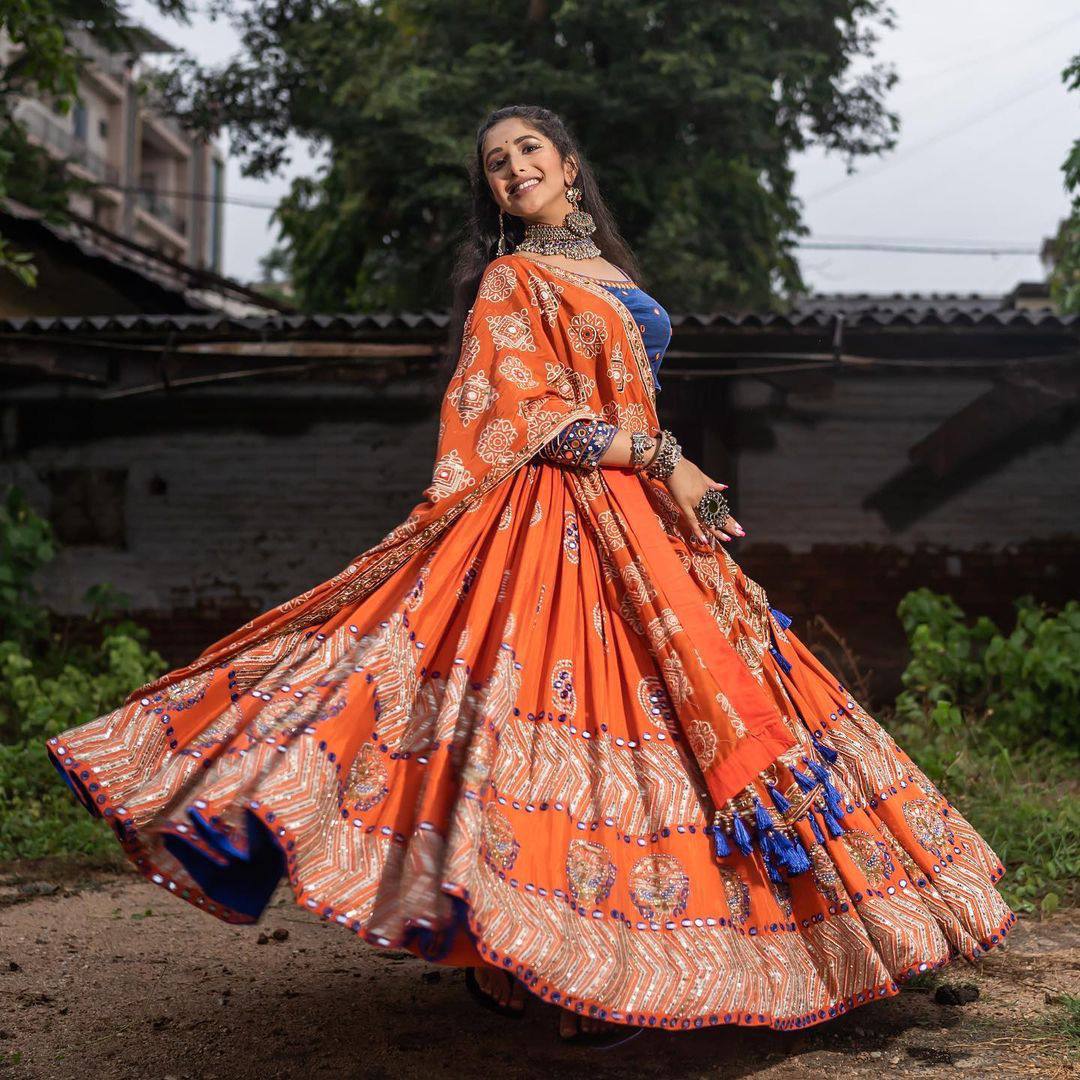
<point x="104" y="974"/>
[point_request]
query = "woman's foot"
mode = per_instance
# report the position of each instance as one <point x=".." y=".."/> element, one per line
<point x="502" y="988"/>
<point x="571" y="1024"/>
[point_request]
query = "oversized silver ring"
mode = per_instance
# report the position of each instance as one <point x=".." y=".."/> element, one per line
<point x="712" y="508"/>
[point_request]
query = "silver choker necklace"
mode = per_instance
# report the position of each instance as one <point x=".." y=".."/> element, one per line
<point x="572" y="239"/>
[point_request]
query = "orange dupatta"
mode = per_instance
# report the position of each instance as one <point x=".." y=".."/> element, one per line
<point x="541" y="347"/>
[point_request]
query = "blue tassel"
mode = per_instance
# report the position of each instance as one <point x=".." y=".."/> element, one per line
<point x="781" y="618"/>
<point x="770" y="867"/>
<point x="827" y="752"/>
<point x="832" y="796"/>
<point x="762" y="818"/>
<point x="777" y="846"/>
<point x="779" y="800"/>
<point x="832" y="823"/>
<point x="741" y="835"/>
<point x="819" y="836"/>
<point x="799" y="859"/>
<point x="783" y="848"/>
<point x="720" y="843"/>
<point x="804" y="781"/>
<point x="779" y="658"/>
<point x="774" y="846"/>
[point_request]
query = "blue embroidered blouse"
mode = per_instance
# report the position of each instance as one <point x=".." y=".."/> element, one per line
<point x="651" y="318"/>
<point x="583" y="442"/>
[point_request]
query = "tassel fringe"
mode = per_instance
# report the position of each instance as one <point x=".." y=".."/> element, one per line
<point x="784" y="621"/>
<point x="781" y="847"/>
<point x="778" y="656"/>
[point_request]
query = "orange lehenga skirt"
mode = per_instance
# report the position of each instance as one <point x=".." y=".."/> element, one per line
<point x="479" y="762"/>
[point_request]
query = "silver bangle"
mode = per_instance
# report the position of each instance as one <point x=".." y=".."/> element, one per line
<point x="667" y="457"/>
<point x="639" y="446"/>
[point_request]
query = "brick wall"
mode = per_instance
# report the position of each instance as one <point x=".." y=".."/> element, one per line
<point x="805" y="466"/>
<point x="238" y="503"/>
<point x="232" y="500"/>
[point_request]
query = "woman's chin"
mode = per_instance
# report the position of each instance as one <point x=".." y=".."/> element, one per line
<point x="531" y="206"/>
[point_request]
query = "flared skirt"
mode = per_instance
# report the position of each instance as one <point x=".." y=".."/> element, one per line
<point x="480" y="761"/>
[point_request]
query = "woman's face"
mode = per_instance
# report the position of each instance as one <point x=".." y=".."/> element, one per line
<point x="526" y="175"/>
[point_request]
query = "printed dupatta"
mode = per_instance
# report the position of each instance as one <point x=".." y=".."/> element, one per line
<point x="543" y="346"/>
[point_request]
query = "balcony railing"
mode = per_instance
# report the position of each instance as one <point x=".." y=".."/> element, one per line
<point x="67" y="145"/>
<point x="157" y="206"/>
<point x="112" y="63"/>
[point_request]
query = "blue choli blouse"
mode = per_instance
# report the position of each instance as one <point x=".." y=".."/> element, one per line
<point x="583" y="442"/>
<point x="651" y="318"/>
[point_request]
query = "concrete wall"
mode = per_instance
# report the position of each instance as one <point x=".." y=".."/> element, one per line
<point x="830" y="453"/>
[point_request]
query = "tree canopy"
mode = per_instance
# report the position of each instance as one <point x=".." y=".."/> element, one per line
<point x="1065" y="279"/>
<point x="689" y="113"/>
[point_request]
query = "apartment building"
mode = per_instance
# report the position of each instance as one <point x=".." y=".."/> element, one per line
<point x="156" y="184"/>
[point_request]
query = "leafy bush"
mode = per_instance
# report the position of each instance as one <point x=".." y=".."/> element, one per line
<point x="26" y="543"/>
<point x="1021" y="687"/>
<point x="994" y="720"/>
<point x="48" y="684"/>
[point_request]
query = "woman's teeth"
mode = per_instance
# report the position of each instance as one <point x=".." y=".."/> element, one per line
<point x="524" y="187"/>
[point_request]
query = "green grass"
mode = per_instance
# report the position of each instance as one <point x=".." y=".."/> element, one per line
<point x="1025" y="804"/>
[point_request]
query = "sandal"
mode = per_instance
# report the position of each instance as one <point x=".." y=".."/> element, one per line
<point x="603" y="1040"/>
<point x="472" y="984"/>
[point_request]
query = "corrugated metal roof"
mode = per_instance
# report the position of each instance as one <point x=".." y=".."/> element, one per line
<point x="865" y="311"/>
<point x="225" y="325"/>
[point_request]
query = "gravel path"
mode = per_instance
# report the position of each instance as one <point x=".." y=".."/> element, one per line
<point x="104" y="974"/>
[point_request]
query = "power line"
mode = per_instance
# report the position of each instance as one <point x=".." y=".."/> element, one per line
<point x="913" y="249"/>
<point x="1012" y="49"/>
<point x="854" y="243"/>
<point x="904" y="155"/>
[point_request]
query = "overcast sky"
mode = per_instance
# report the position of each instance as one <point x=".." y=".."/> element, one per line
<point x="985" y="125"/>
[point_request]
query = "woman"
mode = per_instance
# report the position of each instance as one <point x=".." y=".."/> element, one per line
<point x="547" y="728"/>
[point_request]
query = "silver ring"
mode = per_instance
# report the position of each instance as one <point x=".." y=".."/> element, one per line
<point x="712" y="508"/>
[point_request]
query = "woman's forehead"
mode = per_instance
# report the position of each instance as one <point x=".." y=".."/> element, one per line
<point x="506" y="131"/>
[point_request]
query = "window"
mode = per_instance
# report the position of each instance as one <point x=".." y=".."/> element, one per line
<point x="88" y="506"/>
<point x="78" y="120"/>
<point x="103" y="128"/>
<point x="217" y="195"/>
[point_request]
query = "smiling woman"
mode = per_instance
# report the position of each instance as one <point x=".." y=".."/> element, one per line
<point x="548" y="728"/>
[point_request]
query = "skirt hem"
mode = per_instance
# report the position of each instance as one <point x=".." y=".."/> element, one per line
<point x="434" y="945"/>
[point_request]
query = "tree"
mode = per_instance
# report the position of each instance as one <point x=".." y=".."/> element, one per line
<point x="44" y="64"/>
<point x="1065" y="279"/>
<point x="690" y="114"/>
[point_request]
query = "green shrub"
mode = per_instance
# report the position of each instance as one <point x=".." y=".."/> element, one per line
<point x="994" y="720"/>
<point x="49" y="684"/>
<point x="1021" y="687"/>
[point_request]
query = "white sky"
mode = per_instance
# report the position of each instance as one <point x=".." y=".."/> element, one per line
<point x="985" y="125"/>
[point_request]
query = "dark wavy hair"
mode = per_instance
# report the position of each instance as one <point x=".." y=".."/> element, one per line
<point x="480" y="235"/>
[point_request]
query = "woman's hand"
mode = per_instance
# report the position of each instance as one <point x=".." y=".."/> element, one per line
<point x="687" y="483"/>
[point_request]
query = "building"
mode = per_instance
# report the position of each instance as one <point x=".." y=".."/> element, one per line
<point x="155" y="184"/>
<point x="210" y="467"/>
<point x="82" y="268"/>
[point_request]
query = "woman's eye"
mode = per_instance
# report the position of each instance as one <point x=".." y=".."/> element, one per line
<point x="496" y="165"/>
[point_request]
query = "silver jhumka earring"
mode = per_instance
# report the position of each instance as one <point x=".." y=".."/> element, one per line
<point x="501" y="247"/>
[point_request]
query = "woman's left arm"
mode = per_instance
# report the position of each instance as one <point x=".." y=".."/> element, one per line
<point x="581" y="444"/>
<point x="587" y="443"/>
